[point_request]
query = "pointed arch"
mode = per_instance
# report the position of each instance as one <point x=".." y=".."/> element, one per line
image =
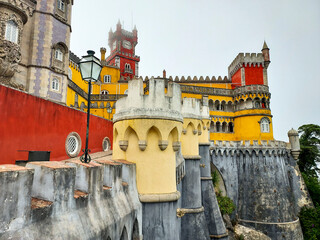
<point x="155" y="129"/>
<point x="128" y="132"/>
<point x="191" y="125"/>
<point x="135" y="231"/>
<point x="115" y="134"/>
<point x="175" y="134"/>
<point x="124" y="234"/>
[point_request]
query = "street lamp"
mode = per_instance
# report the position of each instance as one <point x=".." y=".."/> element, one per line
<point x="90" y="68"/>
<point x="109" y="109"/>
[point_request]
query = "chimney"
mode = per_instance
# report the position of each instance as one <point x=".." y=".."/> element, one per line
<point x="164" y="74"/>
<point x="103" y="53"/>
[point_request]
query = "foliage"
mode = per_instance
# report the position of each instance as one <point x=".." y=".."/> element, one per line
<point x="309" y="144"/>
<point x="310" y="222"/>
<point x="215" y="178"/>
<point x="226" y="205"/>
<point x="313" y="185"/>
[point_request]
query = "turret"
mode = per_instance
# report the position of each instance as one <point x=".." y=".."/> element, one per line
<point x="147" y="131"/>
<point x="295" y="143"/>
<point x="266" y="55"/>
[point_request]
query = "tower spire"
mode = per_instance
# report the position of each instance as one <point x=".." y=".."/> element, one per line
<point x="266" y="55"/>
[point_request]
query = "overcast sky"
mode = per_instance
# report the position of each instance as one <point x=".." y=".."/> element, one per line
<point x="201" y="38"/>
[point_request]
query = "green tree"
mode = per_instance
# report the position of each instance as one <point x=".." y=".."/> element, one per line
<point x="309" y="143"/>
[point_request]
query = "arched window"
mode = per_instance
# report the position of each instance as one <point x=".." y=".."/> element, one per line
<point x="70" y="73"/>
<point x="104" y="92"/>
<point x="224" y="127"/>
<point x="218" y="127"/>
<point x="217" y="105"/>
<point x="12" y="31"/>
<point x="61" y="5"/>
<point x="126" y="91"/>
<point x="211" y="104"/>
<point x="127" y="66"/>
<point x="55" y="84"/>
<point x="265" y="125"/>
<point x="230" y="127"/>
<point x="58" y="54"/>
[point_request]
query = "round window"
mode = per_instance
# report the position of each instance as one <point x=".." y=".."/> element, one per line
<point x="106" y="144"/>
<point x="73" y="144"/>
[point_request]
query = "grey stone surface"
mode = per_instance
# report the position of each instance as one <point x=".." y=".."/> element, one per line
<point x="160" y="221"/>
<point x="96" y="211"/>
<point x="191" y="185"/>
<point x="264" y="184"/>
<point x="193" y="225"/>
<point x="209" y="201"/>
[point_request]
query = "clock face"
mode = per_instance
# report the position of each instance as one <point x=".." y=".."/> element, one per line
<point x="114" y="45"/>
<point x="126" y="44"/>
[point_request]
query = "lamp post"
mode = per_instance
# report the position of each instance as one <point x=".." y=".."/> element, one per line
<point x="109" y="109"/>
<point x="90" y="68"/>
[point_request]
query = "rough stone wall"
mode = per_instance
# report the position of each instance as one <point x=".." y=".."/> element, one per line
<point x="264" y="184"/>
<point x="70" y="200"/>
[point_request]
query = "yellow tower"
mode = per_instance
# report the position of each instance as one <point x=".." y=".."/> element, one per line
<point x="147" y="131"/>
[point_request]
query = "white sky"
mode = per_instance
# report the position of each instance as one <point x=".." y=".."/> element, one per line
<point x="201" y="38"/>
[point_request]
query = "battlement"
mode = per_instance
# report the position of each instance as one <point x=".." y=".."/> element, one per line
<point x="34" y="195"/>
<point x="194" y="108"/>
<point x="195" y="79"/>
<point x="157" y="104"/>
<point x="247" y="144"/>
<point x="246" y="59"/>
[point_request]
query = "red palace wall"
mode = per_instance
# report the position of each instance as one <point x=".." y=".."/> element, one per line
<point x="236" y="79"/>
<point x="35" y="124"/>
<point x="254" y="75"/>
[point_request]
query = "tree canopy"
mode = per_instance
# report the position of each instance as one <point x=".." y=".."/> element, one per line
<point x="309" y="144"/>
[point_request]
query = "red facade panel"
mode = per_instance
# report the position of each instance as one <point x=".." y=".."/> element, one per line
<point x="254" y="75"/>
<point x="236" y="79"/>
<point x="35" y="124"/>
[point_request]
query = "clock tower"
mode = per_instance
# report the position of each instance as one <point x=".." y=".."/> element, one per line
<point x="122" y="45"/>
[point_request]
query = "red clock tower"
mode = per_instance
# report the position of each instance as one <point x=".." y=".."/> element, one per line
<point x="122" y="45"/>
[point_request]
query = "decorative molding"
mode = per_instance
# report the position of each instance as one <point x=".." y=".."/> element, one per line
<point x="182" y="211"/>
<point x="123" y="144"/>
<point x="143" y="145"/>
<point x="192" y="157"/>
<point x="159" y="197"/>
<point x="163" y="144"/>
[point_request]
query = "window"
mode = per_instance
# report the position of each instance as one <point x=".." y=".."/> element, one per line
<point x="104" y="92"/>
<point x="55" y="84"/>
<point x="107" y="79"/>
<point x="59" y="55"/>
<point x="264" y="125"/>
<point x="73" y="144"/>
<point x="70" y="73"/>
<point x="61" y="5"/>
<point x="106" y="144"/>
<point x="127" y="66"/>
<point x="12" y="32"/>
<point x="126" y="91"/>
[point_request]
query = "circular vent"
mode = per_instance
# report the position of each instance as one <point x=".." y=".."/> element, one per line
<point x="73" y="144"/>
<point x="106" y="144"/>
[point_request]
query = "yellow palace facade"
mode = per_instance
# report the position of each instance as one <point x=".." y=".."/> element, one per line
<point x="239" y="103"/>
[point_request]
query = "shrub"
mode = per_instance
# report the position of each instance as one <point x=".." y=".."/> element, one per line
<point x="226" y="205"/>
<point x="310" y="222"/>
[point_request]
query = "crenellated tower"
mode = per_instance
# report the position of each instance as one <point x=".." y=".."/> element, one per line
<point x="122" y="45"/>
<point x="147" y="131"/>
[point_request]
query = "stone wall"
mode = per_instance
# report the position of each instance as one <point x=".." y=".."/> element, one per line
<point x="70" y="200"/>
<point x="264" y="183"/>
